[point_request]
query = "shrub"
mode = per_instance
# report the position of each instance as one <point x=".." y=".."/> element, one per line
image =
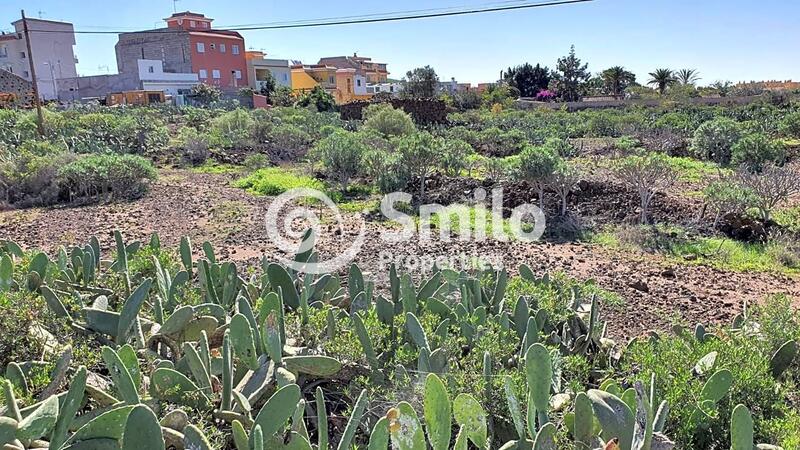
<point x="119" y="177"/>
<point x="563" y="181"/>
<point x="194" y="145"/>
<point x="31" y="180"/>
<point x="789" y="126"/>
<point x="233" y="129"/>
<point x="388" y="121"/>
<point x="256" y="161"/>
<point x="275" y="181"/>
<point x="755" y="150"/>
<point x="282" y="96"/>
<point x="289" y="137"/>
<point x="561" y="147"/>
<point x="493" y="141"/>
<point x="725" y="196"/>
<point x="454" y="157"/>
<point x="647" y="175"/>
<point x="714" y="140"/>
<point x="340" y="155"/>
<point x="419" y="154"/>
<point x="535" y="165"/>
<point x="770" y="188"/>
<point x="385" y="167"/>
<point x="205" y="93"/>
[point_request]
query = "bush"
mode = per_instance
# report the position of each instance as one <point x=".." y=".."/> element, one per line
<point x="233" y="129"/>
<point x="387" y="121"/>
<point x="535" y="165"/>
<point x="755" y="150"/>
<point x="256" y="161"/>
<point x="789" y="126"/>
<point x="275" y="181"/>
<point x="646" y="175"/>
<point x="714" y="140"/>
<point x="31" y="180"/>
<point x="340" y="155"/>
<point x="561" y="147"/>
<point x="495" y="142"/>
<point x="454" y="157"/>
<point x="385" y="167"/>
<point x="289" y="137"/>
<point x="194" y="145"/>
<point x="419" y="154"/>
<point x="725" y="196"/>
<point x="117" y="177"/>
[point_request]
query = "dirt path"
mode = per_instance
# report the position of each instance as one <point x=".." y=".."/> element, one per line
<point x="205" y="207"/>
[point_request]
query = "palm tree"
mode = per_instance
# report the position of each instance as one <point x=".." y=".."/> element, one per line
<point x="662" y="78"/>
<point x="616" y="79"/>
<point x="688" y="76"/>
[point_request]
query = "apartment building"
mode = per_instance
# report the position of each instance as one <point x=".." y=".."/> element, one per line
<point x="259" y="68"/>
<point x="52" y="45"/>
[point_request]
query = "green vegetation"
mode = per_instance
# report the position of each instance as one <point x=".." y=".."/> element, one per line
<point x="276" y="181"/>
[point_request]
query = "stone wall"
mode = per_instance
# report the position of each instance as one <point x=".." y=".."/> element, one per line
<point x="528" y="103"/>
<point x="170" y="46"/>
<point x="20" y="88"/>
<point x="423" y="111"/>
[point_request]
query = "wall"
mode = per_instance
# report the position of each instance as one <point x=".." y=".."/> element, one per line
<point x="524" y="103"/>
<point x="423" y="111"/>
<point x="20" y="87"/>
<point x="169" y="46"/>
<point x="79" y="88"/>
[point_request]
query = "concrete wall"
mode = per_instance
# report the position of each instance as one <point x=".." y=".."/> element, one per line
<point x="169" y="46"/>
<point x="78" y="88"/>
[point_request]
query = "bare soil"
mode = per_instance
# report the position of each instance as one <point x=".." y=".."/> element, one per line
<point x="656" y="292"/>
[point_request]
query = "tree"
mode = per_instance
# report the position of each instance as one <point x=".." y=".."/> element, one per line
<point x="662" y="79"/>
<point x="268" y="85"/>
<point x="563" y="181"/>
<point x="723" y="88"/>
<point x="647" y="175"/>
<point x="616" y="79"/>
<point x="536" y="165"/>
<point x="773" y="186"/>
<point x="319" y="98"/>
<point x="419" y="154"/>
<point x="340" y="154"/>
<point x="283" y="96"/>
<point x="387" y="121"/>
<point x="205" y="93"/>
<point x="569" y="77"/>
<point x="687" y="76"/>
<point x="421" y="82"/>
<point x="529" y="80"/>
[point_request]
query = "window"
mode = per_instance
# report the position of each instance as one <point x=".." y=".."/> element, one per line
<point x="222" y="48"/>
<point x="22" y="55"/>
<point x="237" y="74"/>
<point x="235" y="49"/>
<point x="203" y="73"/>
<point x="201" y="47"/>
<point x="25" y="74"/>
<point x="285" y="77"/>
<point x="151" y="69"/>
<point x="213" y="46"/>
<point x="205" y="24"/>
<point x="358" y="82"/>
<point x="215" y="74"/>
<point x="330" y="79"/>
<point x="3" y="51"/>
<point x="192" y="23"/>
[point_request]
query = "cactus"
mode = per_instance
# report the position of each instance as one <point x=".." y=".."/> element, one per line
<point x="539" y="373"/>
<point x="198" y="369"/>
<point x="315" y="365"/>
<point x="227" y="371"/>
<point x="272" y="336"/>
<point x="438" y="412"/>
<point x="108" y="425"/>
<point x="194" y="439"/>
<point x="782" y="358"/>
<point x="16" y="376"/>
<point x="713" y="391"/>
<point x="366" y="343"/>
<point x="8" y="430"/>
<point x="583" y="420"/>
<point x="322" y="422"/>
<point x="142" y="430"/>
<point x="186" y="253"/>
<point x="416" y="332"/>
<point x="615" y="417"/>
<point x="469" y="413"/>
<point x="354" y="421"/>
<point x="123" y="382"/>
<point x="281" y="282"/>
<point x="405" y="430"/>
<point x="241" y="334"/>
<point x="379" y="438"/>
<point x="128" y="317"/>
<point x="39" y="422"/>
<point x="173" y="386"/>
<point x="277" y="410"/>
<point x="6" y="273"/>
<point x="514" y="408"/>
<point x="705" y="364"/>
<point x="545" y="438"/>
<point x="240" y="438"/>
<point x="741" y="429"/>
<point x="69" y="407"/>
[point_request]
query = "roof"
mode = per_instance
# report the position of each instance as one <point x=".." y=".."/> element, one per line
<point x="182" y="14"/>
<point x="31" y="19"/>
<point x="216" y="33"/>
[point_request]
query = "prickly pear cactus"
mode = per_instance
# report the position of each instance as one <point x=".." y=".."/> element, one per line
<point x="438" y="412"/>
<point x="741" y="428"/>
<point x="539" y="373"/>
<point x="404" y="428"/>
<point x="469" y="413"/>
<point x="142" y="430"/>
<point x="615" y="417"/>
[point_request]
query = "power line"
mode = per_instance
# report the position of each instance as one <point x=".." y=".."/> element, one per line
<point x="357" y="21"/>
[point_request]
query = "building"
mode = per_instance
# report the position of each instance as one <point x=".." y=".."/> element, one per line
<point x="344" y="84"/>
<point x="392" y="88"/>
<point x="53" y="57"/>
<point x="258" y="67"/>
<point x="372" y="71"/>
<point x="14" y="89"/>
<point x="149" y="76"/>
<point x="188" y="44"/>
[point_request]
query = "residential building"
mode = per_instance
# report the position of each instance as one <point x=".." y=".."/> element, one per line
<point x="345" y="85"/>
<point x="150" y="76"/>
<point x="373" y="72"/>
<point x="258" y="67"/>
<point x="189" y="44"/>
<point x="391" y="88"/>
<point x="53" y="57"/>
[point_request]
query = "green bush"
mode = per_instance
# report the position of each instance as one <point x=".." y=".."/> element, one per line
<point x="496" y="142"/>
<point x="233" y="129"/>
<point x="755" y="150"/>
<point x="535" y="165"/>
<point x="31" y="180"/>
<point x="714" y="140"/>
<point x="276" y="181"/>
<point x="419" y="154"/>
<point x="256" y="161"/>
<point x="194" y="146"/>
<point x="118" y="177"/>
<point x="387" y="121"/>
<point x="289" y="137"/>
<point x="789" y="126"/>
<point x="455" y="156"/>
<point x="340" y="155"/>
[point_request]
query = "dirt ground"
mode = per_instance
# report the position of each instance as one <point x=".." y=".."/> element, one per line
<point x="656" y="292"/>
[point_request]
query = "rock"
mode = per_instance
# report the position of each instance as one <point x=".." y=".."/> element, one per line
<point x="640" y="285"/>
<point x="668" y="273"/>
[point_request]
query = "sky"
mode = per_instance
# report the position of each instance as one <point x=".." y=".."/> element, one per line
<point x="735" y="40"/>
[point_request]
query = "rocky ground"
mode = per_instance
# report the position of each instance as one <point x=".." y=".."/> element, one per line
<point x="656" y="292"/>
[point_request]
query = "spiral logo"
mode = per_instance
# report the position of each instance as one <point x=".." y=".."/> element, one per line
<point x="292" y="214"/>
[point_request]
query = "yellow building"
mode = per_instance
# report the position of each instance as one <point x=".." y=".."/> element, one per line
<point x="345" y="85"/>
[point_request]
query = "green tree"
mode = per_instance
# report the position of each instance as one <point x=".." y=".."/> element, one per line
<point x="340" y="154"/>
<point x="616" y="79"/>
<point x="662" y="79"/>
<point x="687" y="76"/>
<point x="528" y="79"/>
<point x="268" y="85"/>
<point x="723" y="88"/>
<point x="319" y="98"/>
<point x="570" y="76"/>
<point x="283" y="96"/>
<point x="387" y="121"/>
<point x="419" y="154"/>
<point x="421" y="82"/>
<point x="536" y="165"/>
<point x="205" y="94"/>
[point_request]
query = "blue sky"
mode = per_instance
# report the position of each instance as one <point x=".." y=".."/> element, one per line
<point x="736" y="40"/>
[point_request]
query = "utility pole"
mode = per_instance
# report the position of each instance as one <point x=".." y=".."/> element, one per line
<point x="36" y="99"/>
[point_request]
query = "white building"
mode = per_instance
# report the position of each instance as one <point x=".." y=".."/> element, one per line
<point x="153" y="78"/>
<point x="391" y="88"/>
<point x="52" y="47"/>
<point x="258" y="66"/>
